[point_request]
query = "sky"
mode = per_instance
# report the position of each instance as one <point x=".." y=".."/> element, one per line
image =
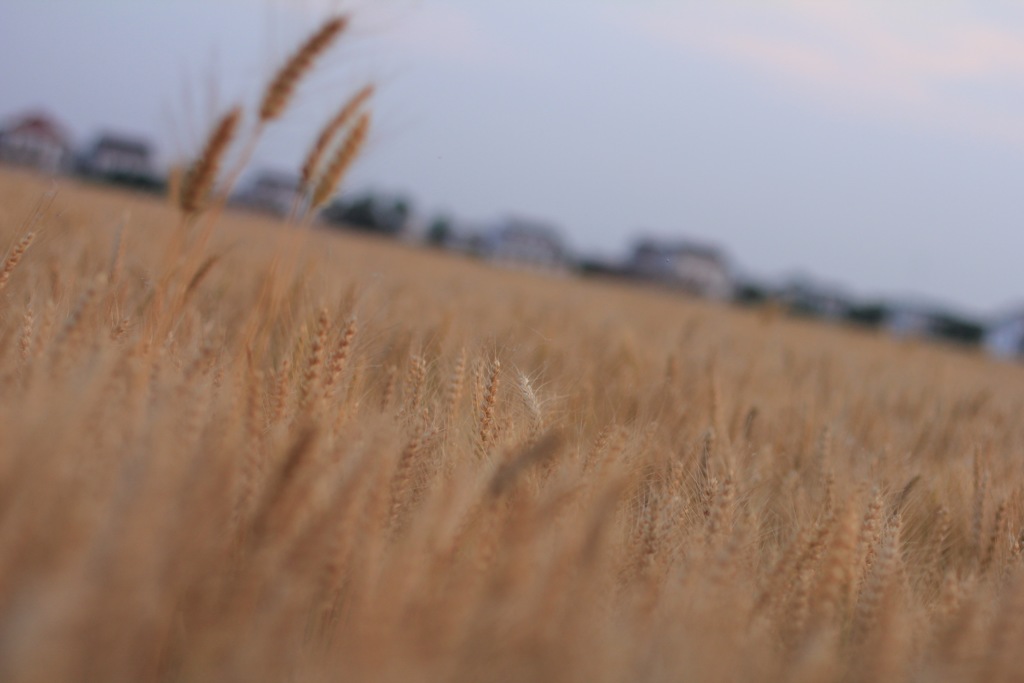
<point x="875" y="145"/>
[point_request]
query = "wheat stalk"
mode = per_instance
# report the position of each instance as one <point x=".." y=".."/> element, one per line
<point x="339" y="359"/>
<point x="25" y="340"/>
<point x="312" y="163"/>
<point x="282" y="391"/>
<point x="278" y="92"/>
<point x="342" y="160"/>
<point x="414" y="384"/>
<point x="531" y="403"/>
<point x="202" y="174"/>
<point x="487" y="431"/>
<point x="315" y="360"/>
<point x="14" y="257"/>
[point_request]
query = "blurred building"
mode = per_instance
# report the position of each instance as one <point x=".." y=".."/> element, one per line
<point x="917" y="320"/>
<point x="36" y="140"/>
<point x="910" y="320"/>
<point x="695" y="268"/>
<point x="805" y="297"/>
<point x="120" y="159"/>
<point x="270" y="191"/>
<point x="524" y="243"/>
<point x="1005" y="336"/>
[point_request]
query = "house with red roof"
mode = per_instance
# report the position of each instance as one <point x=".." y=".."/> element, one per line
<point x="38" y="141"/>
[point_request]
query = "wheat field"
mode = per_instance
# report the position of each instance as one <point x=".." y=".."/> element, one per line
<point x="241" y="449"/>
<point x="414" y="467"/>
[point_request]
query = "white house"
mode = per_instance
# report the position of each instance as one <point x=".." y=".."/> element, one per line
<point x="910" y="320"/>
<point x="524" y="243"/>
<point x="38" y="141"/>
<point x="1005" y="337"/>
<point x="119" y="157"/>
<point x="804" y="296"/>
<point x="695" y="268"/>
<point x="271" y="191"/>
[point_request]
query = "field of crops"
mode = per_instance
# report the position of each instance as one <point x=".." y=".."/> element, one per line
<point x="291" y="454"/>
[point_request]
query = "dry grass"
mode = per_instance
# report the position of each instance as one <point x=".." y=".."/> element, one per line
<point x="367" y="462"/>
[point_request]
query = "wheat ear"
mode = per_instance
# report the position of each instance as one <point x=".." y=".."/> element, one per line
<point x="25" y="340"/>
<point x="315" y="361"/>
<point x="487" y="426"/>
<point x="279" y="90"/>
<point x="14" y="258"/>
<point x="402" y="480"/>
<point x="342" y="160"/>
<point x="312" y="164"/>
<point x="533" y="406"/>
<point x="282" y="390"/>
<point x="199" y="180"/>
<point x="340" y="358"/>
<point x="415" y="380"/>
<point x="454" y="392"/>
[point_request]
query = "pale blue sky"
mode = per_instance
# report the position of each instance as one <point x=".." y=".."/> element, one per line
<point x="876" y="144"/>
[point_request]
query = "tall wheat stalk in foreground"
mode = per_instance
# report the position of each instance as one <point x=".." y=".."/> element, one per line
<point x="279" y="91"/>
<point x="311" y="167"/>
<point x="400" y="466"/>
<point x="200" y="178"/>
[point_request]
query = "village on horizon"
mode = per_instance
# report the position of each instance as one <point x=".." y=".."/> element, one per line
<point x="36" y="140"/>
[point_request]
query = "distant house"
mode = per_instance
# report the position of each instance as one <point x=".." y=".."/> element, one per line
<point x="38" y="141"/>
<point x="1005" y="336"/>
<point x="804" y="297"/>
<point x="695" y="268"/>
<point x="120" y="159"/>
<point x="909" y="320"/>
<point x="523" y="243"/>
<point x="270" y="191"/>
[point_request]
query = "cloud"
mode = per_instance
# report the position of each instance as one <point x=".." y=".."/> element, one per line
<point x="953" y="65"/>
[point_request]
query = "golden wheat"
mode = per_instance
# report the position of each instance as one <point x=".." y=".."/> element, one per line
<point x="199" y="180"/>
<point x="204" y="479"/>
<point x="324" y="141"/>
<point x="281" y="87"/>
<point x="341" y="161"/>
<point x="14" y="257"/>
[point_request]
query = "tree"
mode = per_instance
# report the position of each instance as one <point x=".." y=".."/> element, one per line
<point x="440" y="231"/>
